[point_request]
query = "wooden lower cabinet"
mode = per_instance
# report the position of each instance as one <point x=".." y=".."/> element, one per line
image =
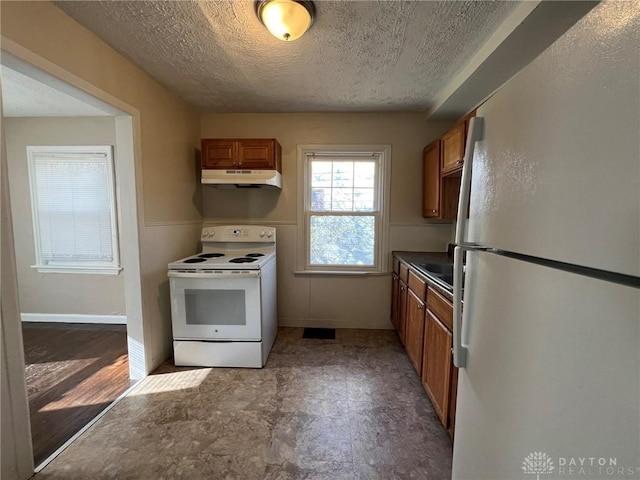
<point x="436" y="368"/>
<point x="402" y="310"/>
<point x="423" y="318"/>
<point x="395" y="293"/>
<point x="414" y="330"/>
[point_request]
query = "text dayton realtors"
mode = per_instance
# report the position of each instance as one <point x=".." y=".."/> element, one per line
<point x="593" y="466"/>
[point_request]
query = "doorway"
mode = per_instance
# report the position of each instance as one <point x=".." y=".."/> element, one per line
<point x="74" y="369"/>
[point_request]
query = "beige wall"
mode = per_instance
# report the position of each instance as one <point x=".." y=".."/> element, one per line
<point x="166" y="133"/>
<point x="361" y="302"/>
<point x="55" y="293"/>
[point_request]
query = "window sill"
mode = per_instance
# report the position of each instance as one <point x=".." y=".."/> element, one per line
<point x="75" y="269"/>
<point x="341" y="273"/>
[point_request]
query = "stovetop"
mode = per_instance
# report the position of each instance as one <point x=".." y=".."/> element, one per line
<point x="232" y="247"/>
<point x="252" y="259"/>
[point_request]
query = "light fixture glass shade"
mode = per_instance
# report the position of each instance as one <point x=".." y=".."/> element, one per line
<point x="286" y="19"/>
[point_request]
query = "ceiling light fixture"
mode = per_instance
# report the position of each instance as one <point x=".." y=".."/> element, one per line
<point x="286" y="19"/>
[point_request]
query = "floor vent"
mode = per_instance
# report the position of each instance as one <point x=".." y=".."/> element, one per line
<point x="321" y="333"/>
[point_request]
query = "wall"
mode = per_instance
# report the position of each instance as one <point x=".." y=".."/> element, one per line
<point x="362" y="302"/>
<point x="55" y="293"/>
<point x="169" y="199"/>
<point x="166" y="133"/>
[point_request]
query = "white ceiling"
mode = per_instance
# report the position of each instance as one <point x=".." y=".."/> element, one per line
<point x="357" y="56"/>
<point x="23" y="96"/>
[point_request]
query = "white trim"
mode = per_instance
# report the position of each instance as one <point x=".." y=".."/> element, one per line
<point x="382" y="153"/>
<point x="74" y="318"/>
<point x="80" y="432"/>
<point x="76" y="269"/>
<point x="354" y="273"/>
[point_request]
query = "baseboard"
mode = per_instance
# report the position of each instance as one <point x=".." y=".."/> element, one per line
<point x="328" y="323"/>
<point x="74" y="318"/>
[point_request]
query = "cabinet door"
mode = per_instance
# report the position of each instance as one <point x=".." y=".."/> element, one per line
<point x="402" y="310"/>
<point x="453" y="148"/>
<point x="395" y="293"/>
<point x="218" y="154"/>
<point x="431" y="180"/>
<point x="436" y="370"/>
<point x="257" y="154"/>
<point x="414" y="338"/>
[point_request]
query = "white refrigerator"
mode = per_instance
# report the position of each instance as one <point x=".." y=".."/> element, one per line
<point x="548" y="341"/>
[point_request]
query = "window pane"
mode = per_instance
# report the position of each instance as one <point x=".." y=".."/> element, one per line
<point x="321" y="174"/>
<point x="343" y="174"/>
<point x="364" y="174"/>
<point x="321" y="199"/>
<point x="342" y="200"/>
<point x="363" y="199"/>
<point x="343" y="186"/>
<point x="342" y="240"/>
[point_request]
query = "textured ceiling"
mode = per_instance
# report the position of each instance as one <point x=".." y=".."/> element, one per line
<point x="357" y="56"/>
<point x="23" y="96"/>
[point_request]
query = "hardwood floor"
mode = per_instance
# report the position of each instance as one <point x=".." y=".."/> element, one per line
<point x="73" y="372"/>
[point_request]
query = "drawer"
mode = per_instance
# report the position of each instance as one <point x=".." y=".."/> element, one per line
<point x="396" y="265"/>
<point x="441" y="308"/>
<point x="417" y="285"/>
<point x="404" y="272"/>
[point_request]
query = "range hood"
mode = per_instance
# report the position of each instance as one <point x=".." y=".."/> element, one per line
<point x="242" y="178"/>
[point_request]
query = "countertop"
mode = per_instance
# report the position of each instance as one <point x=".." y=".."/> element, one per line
<point x="426" y="257"/>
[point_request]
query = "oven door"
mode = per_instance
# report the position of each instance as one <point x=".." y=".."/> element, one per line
<point x="215" y="306"/>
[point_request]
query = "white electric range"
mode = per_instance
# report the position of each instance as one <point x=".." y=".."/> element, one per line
<point x="223" y="300"/>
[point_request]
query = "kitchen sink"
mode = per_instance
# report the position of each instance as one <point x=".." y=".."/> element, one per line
<point x="438" y="268"/>
<point x="440" y="273"/>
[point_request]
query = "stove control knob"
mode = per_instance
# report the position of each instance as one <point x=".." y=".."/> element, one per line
<point x="212" y="233"/>
<point x="262" y="233"/>
<point x="270" y="233"/>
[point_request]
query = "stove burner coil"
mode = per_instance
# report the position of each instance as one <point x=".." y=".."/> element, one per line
<point x="195" y="260"/>
<point x="242" y="260"/>
<point x="211" y="255"/>
<point x="252" y="255"/>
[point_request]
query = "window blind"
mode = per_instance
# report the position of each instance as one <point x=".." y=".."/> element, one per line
<point x="74" y="208"/>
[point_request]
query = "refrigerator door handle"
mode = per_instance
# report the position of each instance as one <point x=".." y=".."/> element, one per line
<point x="459" y="350"/>
<point x="474" y="134"/>
<point x="460" y="346"/>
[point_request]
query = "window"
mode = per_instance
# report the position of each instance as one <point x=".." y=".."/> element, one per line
<point x="73" y="206"/>
<point x="345" y="191"/>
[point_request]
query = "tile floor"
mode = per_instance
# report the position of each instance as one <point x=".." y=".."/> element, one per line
<point x="349" y="408"/>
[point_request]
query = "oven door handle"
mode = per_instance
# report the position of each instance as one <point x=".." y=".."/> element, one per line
<point x="215" y="275"/>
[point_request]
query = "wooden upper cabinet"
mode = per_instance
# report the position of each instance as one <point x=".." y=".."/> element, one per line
<point x="453" y="148"/>
<point x="243" y="153"/>
<point x="436" y="368"/>
<point x="431" y="180"/>
<point x="219" y="154"/>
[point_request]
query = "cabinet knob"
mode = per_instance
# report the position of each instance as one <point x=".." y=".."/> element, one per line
<point x="434" y="211"/>
<point x="419" y="307"/>
<point x="459" y="162"/>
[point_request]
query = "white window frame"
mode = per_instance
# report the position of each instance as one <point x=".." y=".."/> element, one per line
<point x="381" y="153"/>
<point x="104" y="268"/>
